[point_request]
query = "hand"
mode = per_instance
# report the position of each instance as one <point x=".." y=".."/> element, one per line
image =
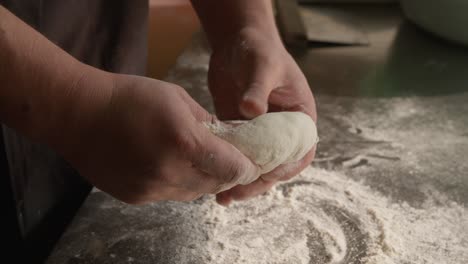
<point x="252" y="74"/>
<point x="147" y="142"/>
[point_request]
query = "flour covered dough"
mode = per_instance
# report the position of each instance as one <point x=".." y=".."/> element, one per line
<point x="271" y="139"/>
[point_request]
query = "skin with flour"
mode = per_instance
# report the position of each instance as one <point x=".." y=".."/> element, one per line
<point x="271" y="139"/>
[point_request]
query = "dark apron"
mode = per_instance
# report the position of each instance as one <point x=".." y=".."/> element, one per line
<point x="39" y="190"/>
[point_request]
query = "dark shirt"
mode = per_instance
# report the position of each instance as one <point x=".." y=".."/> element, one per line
<point x="44" y="190"/>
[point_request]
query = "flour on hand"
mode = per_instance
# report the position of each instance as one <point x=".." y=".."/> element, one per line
<point x="271" y="139"/>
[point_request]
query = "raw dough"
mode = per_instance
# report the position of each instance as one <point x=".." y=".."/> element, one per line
<point x="271" y="139"/>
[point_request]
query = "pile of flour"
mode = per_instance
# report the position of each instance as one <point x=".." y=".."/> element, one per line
<point x="324" y="217"/>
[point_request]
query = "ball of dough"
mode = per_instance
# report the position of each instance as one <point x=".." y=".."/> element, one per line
<point x="271" y="139"/>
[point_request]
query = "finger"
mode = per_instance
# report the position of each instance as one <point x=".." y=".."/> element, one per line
<point x="214" y="156"/>
<point x="244" y="192"/>
<point x="224" y="198"/>
<point x="192" y="179"/>
<point x="287" y="171"/>
<point x="299" y="99"/>
<point x="221" y="160"/>
<point x="262" y="81"/>
<point x="197" y="110"/>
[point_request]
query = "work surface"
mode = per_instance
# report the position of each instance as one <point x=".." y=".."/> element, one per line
<point x="389" y="184"/>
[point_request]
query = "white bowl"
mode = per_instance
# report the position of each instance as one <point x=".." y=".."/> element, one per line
<point x="445" y="18"/>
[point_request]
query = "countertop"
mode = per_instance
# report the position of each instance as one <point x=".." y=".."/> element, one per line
<point x="389" y="183"/>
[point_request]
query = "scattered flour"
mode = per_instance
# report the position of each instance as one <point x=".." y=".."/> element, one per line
<point x="318" y="217"/>
<point x="324" y="217"/>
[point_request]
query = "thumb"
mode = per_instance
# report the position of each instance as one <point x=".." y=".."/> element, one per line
<point x="254" y="101"/>
<point x="222" y="160"/>
<point x="215" y="156"/>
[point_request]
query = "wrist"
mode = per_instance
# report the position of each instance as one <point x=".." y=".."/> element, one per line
<point x="245" y="35"/>
<point x="87" y="94"/>
<point x="223" y="20"/>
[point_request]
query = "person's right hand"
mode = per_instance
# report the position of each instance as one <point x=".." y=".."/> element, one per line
<point x="147" y="142"/>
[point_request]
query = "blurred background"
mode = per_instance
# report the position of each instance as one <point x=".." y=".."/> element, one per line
<point x="173" y="21"/>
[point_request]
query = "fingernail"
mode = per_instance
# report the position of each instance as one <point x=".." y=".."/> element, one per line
<point x="250" y="107"/>
<point x="250" y="110"/>
<point x="223" y="199"/>
<point x="253" y="173"/>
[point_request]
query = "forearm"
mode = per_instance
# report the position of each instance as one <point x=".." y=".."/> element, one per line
<point x="38" y="81"/>
<point x="223" y="19"/>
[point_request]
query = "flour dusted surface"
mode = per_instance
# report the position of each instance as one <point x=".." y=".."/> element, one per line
<point x="392" y="188"/>
<point x="319" y="217"/>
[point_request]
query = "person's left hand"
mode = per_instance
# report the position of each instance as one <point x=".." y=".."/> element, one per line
<point x="250" y="75"/>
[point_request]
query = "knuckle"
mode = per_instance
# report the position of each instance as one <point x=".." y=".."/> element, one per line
<point x="234" y="173"/>
<point x="184" y="141"/>
<point x="178" y="88"/>
<point x="219" y="188"/>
